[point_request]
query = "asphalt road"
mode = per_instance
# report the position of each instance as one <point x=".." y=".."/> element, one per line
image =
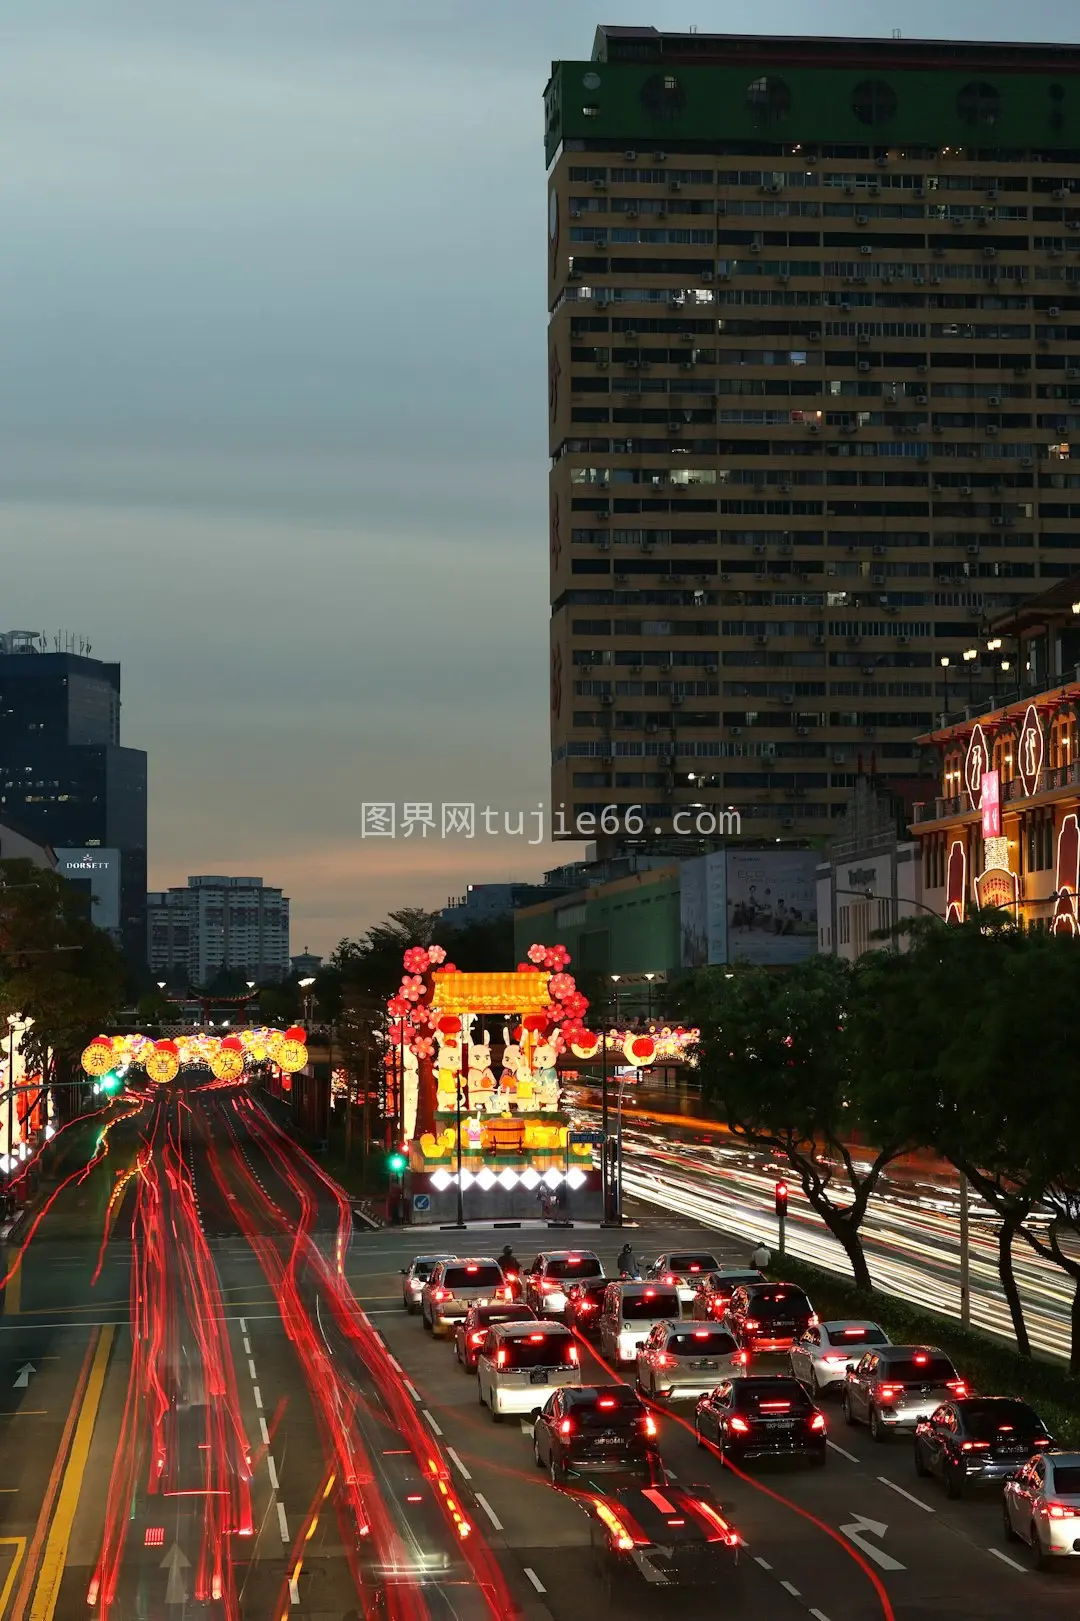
<point x="239" y="1407"/>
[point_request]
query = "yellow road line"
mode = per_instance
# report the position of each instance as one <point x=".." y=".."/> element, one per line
<point x="13" y="1290"/>
<point x="51" y="1573"/>
<point x="19" y="1544"/>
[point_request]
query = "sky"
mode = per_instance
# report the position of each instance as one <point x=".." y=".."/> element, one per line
<point x="272" y="406"/>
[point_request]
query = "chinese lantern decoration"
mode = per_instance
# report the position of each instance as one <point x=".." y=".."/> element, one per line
<point x="292" y="1053"/>
<point x="584" y="1043"/>
<point x="97" y="1058"/>
<point x="227" y="1064"/>
<point x="639" y="1049"/>
<point x="163" y="1064"/>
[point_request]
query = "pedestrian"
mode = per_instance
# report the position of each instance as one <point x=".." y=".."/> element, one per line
<point x="761" y="1257"/>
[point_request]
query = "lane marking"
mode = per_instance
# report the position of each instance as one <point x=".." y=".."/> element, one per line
<point x="454" y="1459"/>
<point x="850" y="1456"/>
<point x="432" y="1422"/>
<point x="47" y="1592"/>
<point x="247" y="1346"/>
<point x="395" y="1364"/>
<point x="789" y="1587"/>
<point x="243" y="1325"/>
<point x="997" y="1553"/>
<point x="489" y="1511"/>
<point x="19" y="1546"/>
<point x="526" y="1427"/>
<point x="12" y="1294"/>
<point x="294" y="1590"/>
<point x="411" y="1388"/>
<point x="251" y="1369"/>
<point x="271" y="1470"/>
<point x="819" y="1615"/>
<point x="764" y="1563"/>
<point x="283" y="1524"/>
<point x="893" y="1487"/>
<point x="534" y="1578"/>
<point x="264" y="1431"/>
<point x="257" y="1393"/>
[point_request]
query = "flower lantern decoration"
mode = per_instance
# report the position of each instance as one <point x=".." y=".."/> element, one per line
<point x="227" y="1064"/>
<point x="97" y="1058"/>
<point x="163" y="1064"/>
<point x="639" y="1050"/>
<point x="292" y="1053"/>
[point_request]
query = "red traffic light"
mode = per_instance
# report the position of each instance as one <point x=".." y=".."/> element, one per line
<point x="781" y="1192"/>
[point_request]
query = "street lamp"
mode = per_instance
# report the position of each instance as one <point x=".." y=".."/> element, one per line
<point x="945" y="667"/>
<point x="649" y="978"/>
<point x="305" y="986"/>
<point x="615" y="980"/>
<point x="970" y="655"/>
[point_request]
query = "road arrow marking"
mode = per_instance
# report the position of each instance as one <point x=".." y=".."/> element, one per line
<point x="176" y="1562"/>
<point x="23" y="1377"/>
<point x="876" y="1528"/>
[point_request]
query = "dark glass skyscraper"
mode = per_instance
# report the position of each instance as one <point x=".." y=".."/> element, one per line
<point x="64" y="778"/>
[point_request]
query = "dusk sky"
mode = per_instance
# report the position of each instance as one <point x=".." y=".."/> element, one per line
<point x="272" y="417"/>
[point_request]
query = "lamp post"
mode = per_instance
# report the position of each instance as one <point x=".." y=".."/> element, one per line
<point x="615" y="980"/>
<point x="945" y="668"/>
<point x="305" y="986"/>
<point x="970" y="655"/>
<point x="649" y="979"/>
<point x="457" y="1135"/>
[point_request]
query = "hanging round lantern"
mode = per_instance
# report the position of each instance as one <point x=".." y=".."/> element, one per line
<point x="227" y="1063"/>
<point x="97" y="1058"/>
<point x="639" y="1049"/>
<point x="292" y="1053"/>
<point x="163" y="1064"/>
<point x="585" y="1043"/>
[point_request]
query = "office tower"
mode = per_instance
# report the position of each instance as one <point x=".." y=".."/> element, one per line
<point x="64" y="777"/>
<point x="814" y="367"/>
<point x="236" y="925"/>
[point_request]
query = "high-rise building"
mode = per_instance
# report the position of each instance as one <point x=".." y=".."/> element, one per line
<point x="814" y="369"/>
<point x="238" y="925"/>
<point x="64" y="776"/>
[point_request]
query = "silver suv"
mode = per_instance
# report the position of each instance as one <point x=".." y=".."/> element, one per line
<point x="683" y="1360"/>
<point x="897" y="1386"/>
<point x="456" y="1285"/>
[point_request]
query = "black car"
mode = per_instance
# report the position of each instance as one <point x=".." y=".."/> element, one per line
<point x="761" y="1417"/>
<point x="585" y="1430"/>
<point x="768" y="1316"/>
<point x="471" y="1332"/>
<point x="584" y="1303"/>
<point x="981" y="1440"/>
<point x="665" y="1535"/>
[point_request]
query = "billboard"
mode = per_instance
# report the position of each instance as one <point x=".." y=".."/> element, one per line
<point x="757" y="906"/>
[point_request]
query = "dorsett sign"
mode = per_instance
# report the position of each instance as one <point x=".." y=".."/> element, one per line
<point x="862" y="877"/>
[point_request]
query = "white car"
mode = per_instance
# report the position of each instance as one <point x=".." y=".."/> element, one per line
<point x="415" y="1275"/>
<point x="520" y="1364"/>
<point x="683" y="1270"/>
<point x="823" y="1353"/>
<point x="684" y="1360"/>
<point x="630" y="1312"/>
<point x="1041" y="1506"/>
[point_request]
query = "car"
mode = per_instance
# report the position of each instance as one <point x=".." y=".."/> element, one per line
<point x="713" y="1294"/>
<point x="584" y="1303"/>
<point x="629" y="1312"/>
<point x="678" y="1360"/>
<point x="684" y="1269"/>
<point x="472" y="1330"/>
<point x="898" y="1386"/>
<point x="667" y="1536"/>
<point x="549" y="1276"/>
<point x="1041" y="1506"/>
<point x="519" y="1364"/>
<point x="762" y="1416"/>
<point x="414" y="1276"/>
<point x="978" y="1440"/>
<point x="768" y="1316"/>
<point x="455" y="1285"/>
<point x="823" y="1352"/>
<point x="596" y="1429"/>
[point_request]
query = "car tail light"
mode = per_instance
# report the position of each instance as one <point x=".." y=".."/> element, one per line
<point x="739" y="1425"/>
<point x="695" y="1269"/>
<point x="566" y="1426"/>
<point x="701" y="1333"/>
<point x="725" y="1533"/>
<point x="1061" y="1511"/>
<point x="536" y="1339"/>
<point x="776" y="1407"/>
<point x="623" y="1539"/>
<point x="500" y="1357"/>
<point x="472" y="1269"/>
<point x="813" y="1321"/>
<point x="440" y="1294"/>
<point x="478" y="1338"/>
<point x="751" y="1323"/>
<point x="818" y="1421"/>
<point x="744" y="1359"/>
<point x="511" y="1277"/>
<point x="920" y="1356"/>
<point x="974" y="1446"/>
<point x="606" y="1401"/>
<point x="670" y="1278"/>
<point x="1042" y="1441"/>
<point x="649" y="1293"/>
<point x="888" y="1392"/>
<point x="586" y="1305"/>
<point x="663" y="1360"/>
<point x="650" y="1425"/>
<point x="835" y="1361"/>
<point x="572" y="1355"/>
<point x="547" y="1284"/>
<point x="958" y="1387"/>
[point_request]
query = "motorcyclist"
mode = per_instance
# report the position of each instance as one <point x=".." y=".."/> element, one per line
<point x="509" y="1261"/>
<point x="627" y="1263"/>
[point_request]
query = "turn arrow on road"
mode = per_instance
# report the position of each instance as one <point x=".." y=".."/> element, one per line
<point x="22" y="1378"/>
<point x="856" y="1532"/>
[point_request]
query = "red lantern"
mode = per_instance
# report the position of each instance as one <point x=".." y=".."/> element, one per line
<point x="295" y="1033"/>
<point x="449" y="1025"/>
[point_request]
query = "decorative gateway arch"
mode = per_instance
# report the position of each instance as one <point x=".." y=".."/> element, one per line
<point x="473" y="1076"/>
<point x="228" y="1058"/>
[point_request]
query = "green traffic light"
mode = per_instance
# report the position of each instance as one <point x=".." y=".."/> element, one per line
<point x="396" y="1163"/>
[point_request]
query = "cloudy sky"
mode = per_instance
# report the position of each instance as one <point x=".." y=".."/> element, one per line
<point x="272" y="404"/>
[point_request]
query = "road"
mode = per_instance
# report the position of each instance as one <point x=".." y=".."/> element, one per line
<point x="238" y="1419"/>
<point x="911" y="1231"/>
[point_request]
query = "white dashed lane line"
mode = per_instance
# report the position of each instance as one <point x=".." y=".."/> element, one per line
<point x="257" y="1393"/>
<point x="271" y="1470"/>
<point x="264" y="1432"/>
<point x="850" y="1456"/>
<point x="456" y="1461"/>
<point x="251" y="1369"/>
<point x="764" y="1563"/>
<point x="1005" y="1560"/>
<point x="900" y="1492"/>
<point x="534" y="1578"/>
<point x="283" y="1524"/>
<point x="411" y="1388"/>
<point x="432" y="1422"/>
<point x="489" y="1511"/>
<point x="789" y="1587"/>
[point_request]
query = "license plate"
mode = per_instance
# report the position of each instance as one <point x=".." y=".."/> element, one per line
<point x="538" y="1376"/>
<point x="699" y="1365"/>
<point x="778" y="1423"/>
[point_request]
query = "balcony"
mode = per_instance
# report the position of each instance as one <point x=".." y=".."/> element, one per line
<point x="1053" y="779"/>
<point x="933" y="810"/>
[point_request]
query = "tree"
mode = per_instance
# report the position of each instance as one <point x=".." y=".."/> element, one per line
<point x="56" y="968"/>
<point x="778" y="1059"/>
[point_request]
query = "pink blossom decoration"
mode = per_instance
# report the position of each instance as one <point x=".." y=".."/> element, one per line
<point x="561" y="986"/>
<point x="423" y="1046"/>
<point x="436" y="954"/>
<point x="416" y="959"/>
<point x="537" y="954"/>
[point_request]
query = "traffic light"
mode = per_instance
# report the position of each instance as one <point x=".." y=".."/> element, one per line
<point x="109" y="1084"/>
<point x="781" y="1191"/>
<point x="396" y="1164"/>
